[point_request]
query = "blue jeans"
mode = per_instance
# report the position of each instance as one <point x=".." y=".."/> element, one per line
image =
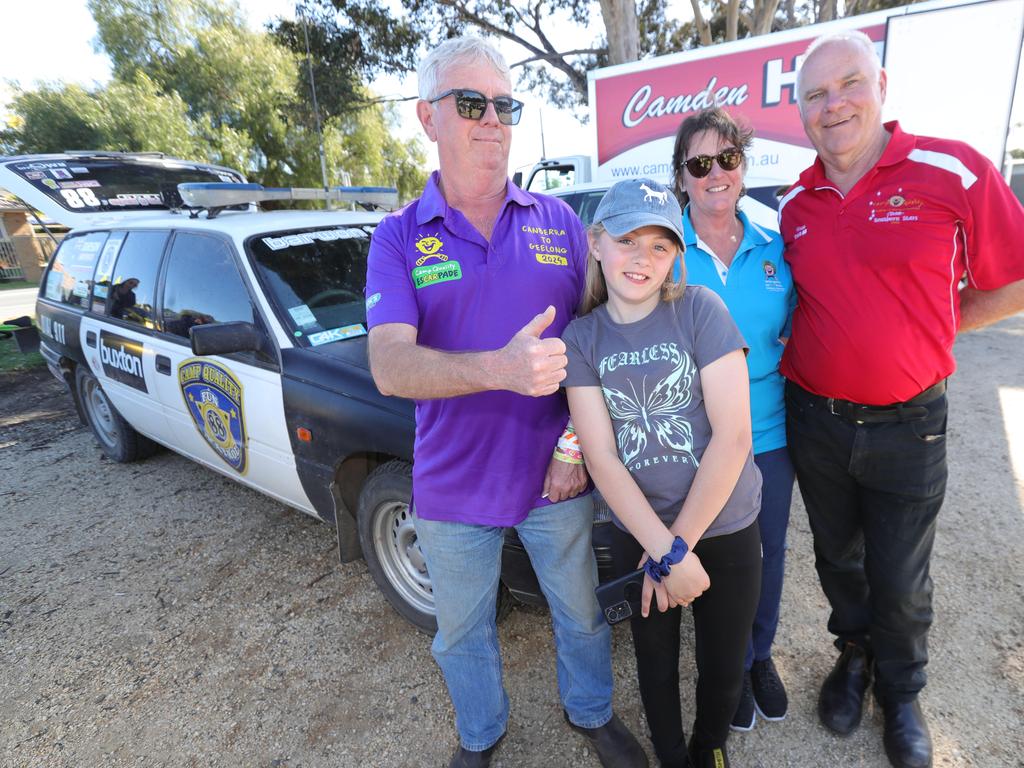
<point x="776" y="497"/>
<point x="464" y="562"/>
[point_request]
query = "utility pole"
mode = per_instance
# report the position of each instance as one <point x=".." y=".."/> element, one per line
<point x="300" y="11"/>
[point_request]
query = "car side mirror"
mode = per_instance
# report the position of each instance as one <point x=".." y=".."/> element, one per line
<point x="225" y="338"/>
<point x="517" y="178"/>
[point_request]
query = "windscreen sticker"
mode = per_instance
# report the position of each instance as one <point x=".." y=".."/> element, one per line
<point x="41" y="166"/>
<point x="122" y="360"/>
<point x="213" y="396"/>
<point x="307" y="238"/>
<point x="141" y="199"/>
<point x="60" y="173"/>
<point x="106" y="265"/>
<point x="78" y="169"/>
<point x="337" y="334"/>
<point x="35" y="175"/>
<point x="302" y="315"/>
<point x="53" y="281"/>
<point x="49" y="183"/>
<point x="78" y="184"/>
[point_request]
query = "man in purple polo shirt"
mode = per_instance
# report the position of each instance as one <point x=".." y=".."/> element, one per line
<point x="468" y="290"/>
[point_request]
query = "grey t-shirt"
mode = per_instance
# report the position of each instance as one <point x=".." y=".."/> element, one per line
<point x="649" y="372"/>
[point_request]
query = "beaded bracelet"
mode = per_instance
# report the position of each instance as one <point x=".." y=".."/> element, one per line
<point x="660" y="569"/>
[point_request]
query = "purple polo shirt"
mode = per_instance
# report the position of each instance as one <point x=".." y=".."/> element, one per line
<point x="479" y="458"/>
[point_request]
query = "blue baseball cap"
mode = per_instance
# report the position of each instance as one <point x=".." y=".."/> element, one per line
<point x="636" y="203"/>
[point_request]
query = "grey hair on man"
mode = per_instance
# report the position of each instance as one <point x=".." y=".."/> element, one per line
<point x="853" y="36"/>
<point x="454" y="51"/>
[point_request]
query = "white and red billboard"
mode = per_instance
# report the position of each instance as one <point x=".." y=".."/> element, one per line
<point x="637" y="107"/>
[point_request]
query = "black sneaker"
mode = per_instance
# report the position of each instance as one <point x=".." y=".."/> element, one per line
<point x="769" y="693"/>
<point x="743" y="720"/>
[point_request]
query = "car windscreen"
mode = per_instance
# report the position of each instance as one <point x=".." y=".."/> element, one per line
<point x="315" y="279"/>
<point x="90" y="184"/>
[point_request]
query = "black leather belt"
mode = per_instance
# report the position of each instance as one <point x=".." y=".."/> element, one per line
<point x="911" y="410"/>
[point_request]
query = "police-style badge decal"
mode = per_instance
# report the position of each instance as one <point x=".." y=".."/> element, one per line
<point x="213" y="396"/>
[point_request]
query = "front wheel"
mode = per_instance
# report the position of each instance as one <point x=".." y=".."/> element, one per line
<point x="389" y="544"/>
<point x="393" y="555"/>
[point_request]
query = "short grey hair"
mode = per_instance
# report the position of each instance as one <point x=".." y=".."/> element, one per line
<point x="854" y="36"/>
<point x="457" y="50"/>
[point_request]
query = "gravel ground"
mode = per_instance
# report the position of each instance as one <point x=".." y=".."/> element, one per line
<point x="157" y="614"/>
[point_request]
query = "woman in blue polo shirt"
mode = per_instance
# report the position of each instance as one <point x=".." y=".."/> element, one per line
<point x="743" y="264"/>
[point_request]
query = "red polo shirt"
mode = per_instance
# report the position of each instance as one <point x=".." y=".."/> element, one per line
<point x="877" y="270"/>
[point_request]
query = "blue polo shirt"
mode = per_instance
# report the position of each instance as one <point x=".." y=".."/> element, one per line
<point x="479" y="458"/>
<point x="757" y="287"/>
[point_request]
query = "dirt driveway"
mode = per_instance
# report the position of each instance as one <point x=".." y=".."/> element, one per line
<point x="156" y="614"/>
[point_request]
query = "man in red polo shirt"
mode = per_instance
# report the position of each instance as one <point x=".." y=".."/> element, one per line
<point x="879" y="233"/>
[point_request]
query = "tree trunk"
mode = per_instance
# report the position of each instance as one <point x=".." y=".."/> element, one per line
<point x="764" y="15"/>
<point x="621" y="27"/>
<point x="732" y="19"/>
<point x="703" y="28"/>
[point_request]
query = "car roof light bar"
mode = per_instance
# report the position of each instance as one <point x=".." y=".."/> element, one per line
<point x="213" y="195"/>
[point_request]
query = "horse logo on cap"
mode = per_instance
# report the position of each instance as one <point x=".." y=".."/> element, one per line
<point x="653" y="194"/>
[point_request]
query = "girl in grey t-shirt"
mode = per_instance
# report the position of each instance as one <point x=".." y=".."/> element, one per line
<point x="658" y="389"/>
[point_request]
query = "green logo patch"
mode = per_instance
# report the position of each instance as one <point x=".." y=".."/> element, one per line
<point x="431" y="274"/>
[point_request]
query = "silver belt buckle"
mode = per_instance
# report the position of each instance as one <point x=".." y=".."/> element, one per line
<point x="831" y="402"/>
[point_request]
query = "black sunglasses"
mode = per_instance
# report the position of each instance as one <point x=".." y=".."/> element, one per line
<point x="472" y="105"/>
<point x="699" y="166"/>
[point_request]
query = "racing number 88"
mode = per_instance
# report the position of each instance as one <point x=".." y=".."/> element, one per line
<point x="80" y="198"/>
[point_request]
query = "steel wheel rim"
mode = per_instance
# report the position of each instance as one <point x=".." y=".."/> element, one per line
<point x="400" y="556"/>
<point x="101" y="414"/>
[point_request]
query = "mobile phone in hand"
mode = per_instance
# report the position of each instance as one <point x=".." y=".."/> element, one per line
<point x="620" y="598"/>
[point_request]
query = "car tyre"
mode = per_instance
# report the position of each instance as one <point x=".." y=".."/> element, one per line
<point x="393" y="557"/>
<point x="116" y="437"/>
<point x="388" y="540"/>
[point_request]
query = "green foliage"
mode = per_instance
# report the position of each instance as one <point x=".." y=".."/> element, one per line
<point x="13" y="361"/>
<point x="193" y="81"/>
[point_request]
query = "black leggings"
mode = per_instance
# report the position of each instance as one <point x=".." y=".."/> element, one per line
<point x="722" y="618"/>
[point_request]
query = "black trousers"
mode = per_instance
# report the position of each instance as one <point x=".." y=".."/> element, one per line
<point x="722" y="618"/>
<point x="873" y="493"/>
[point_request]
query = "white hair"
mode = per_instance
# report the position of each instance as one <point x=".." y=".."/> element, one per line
<point x="853" y="36"/>
<point x="457" y="50"/>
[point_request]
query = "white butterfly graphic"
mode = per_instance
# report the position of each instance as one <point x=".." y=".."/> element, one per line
<point x="657" y="412"/>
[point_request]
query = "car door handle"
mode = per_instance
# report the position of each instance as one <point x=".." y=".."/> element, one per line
<point x="90" y="338"/>
<point x="163" y="365"/>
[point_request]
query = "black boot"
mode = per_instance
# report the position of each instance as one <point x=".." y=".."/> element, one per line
<point x="907" y="741"/>
<point x="708" y="757"/>
<point x="842" y="694"/>
<point x="464" y="758"/>
<point x="616" y="747"/>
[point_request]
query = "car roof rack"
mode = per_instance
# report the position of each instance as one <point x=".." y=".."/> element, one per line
<point x="214" y="197"/>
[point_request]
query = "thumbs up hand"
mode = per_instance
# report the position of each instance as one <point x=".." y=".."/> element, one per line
<point x="531" y="365"/>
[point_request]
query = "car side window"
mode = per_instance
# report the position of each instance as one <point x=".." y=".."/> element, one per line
<point x="70" y="278"/>
<point x="202" y="285"/>
<point x="586" y="205"/>
<point x="131" y="295"/>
